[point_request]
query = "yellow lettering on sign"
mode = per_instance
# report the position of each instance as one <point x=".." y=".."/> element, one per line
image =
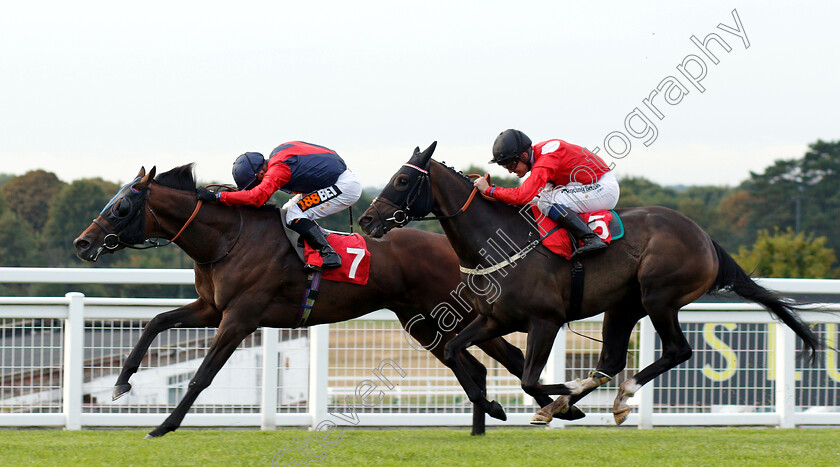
<point x="831" y="355"/>
<point x="729" y="357"/>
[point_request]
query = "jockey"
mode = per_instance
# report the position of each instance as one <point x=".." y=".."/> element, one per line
<point x="320" y="179"/>
<point x="567" y="180"/>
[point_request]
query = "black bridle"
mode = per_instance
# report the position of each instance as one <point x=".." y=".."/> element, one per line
<point x="123" y="213"/>
<point x="415" y="203"/>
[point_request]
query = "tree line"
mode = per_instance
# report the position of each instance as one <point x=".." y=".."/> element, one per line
<point x="777" y="223"/>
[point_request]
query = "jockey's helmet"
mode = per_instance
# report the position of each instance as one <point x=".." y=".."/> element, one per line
<point x="245" y="169"/>
<point x="509" y="145"/>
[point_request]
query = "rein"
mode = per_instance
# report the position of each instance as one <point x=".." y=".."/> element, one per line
<point x="235" y="241"/>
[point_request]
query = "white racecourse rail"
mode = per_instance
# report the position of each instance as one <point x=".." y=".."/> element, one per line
<point x="60" y="356"/>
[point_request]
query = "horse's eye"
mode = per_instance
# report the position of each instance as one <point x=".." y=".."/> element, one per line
<point x="123" y="208"/>
<point x="401" y="183"/>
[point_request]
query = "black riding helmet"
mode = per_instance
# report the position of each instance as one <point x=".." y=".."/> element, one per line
<point x="245" y="169"/>
<point x="509" y="145"/>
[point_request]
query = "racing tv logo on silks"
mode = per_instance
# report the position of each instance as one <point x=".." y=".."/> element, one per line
<point x="318" y="197"/>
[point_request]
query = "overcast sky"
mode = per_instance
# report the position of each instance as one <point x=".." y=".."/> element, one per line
<point x="100" y="88"/>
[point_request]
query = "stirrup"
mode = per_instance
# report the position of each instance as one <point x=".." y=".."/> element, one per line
<point x="589" y="246"/>
<point x="333" y="264"/>
<point x="312" y="268"/>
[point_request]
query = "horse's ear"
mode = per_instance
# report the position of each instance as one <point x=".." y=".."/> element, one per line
<point x="142" y="172"/>
<point x="426" y="155"/>
<point x="416" y="151"/>
<point x="145" y="178"/>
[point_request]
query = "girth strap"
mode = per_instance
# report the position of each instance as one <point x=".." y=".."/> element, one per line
<point x="313" y="284"/>
<point x="576" y="297"/>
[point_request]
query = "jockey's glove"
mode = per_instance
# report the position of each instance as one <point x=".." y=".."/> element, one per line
<point x="203" y="194"/>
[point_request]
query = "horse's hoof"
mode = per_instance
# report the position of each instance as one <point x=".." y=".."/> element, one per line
<point x="574" y="413"/>
<point x="541" y="418"/>
<point x="496" y="411"/>
<point x="621" y="415"/>
<point x="120" y="390"/>
<point x="157" y="433"/>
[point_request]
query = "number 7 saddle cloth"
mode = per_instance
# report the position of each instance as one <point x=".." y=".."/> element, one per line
<point x="355" y="257"/>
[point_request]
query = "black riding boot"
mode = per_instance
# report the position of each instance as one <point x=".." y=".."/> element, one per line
<point x="311" y="234"/>
<point x="572" y="222"/>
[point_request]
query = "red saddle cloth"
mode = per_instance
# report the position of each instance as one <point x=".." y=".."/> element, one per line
<point x="355" y="259"/>
<point x="560" y="243"/>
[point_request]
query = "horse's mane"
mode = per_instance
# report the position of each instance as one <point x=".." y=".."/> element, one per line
<point x="468" y="181"/>
<point x="455" y="171"/>
<point x="179" y="178"/>
<point x="183" y="178"/>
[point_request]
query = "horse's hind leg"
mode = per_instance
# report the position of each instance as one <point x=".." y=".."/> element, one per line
<point x="428" y="334"/>
<point x="479" y="330"/>
<point x="675" y="350"/>
<point x="231" y="332"/>
<point x="196" y="314"/>
<point x="617" y="329"/>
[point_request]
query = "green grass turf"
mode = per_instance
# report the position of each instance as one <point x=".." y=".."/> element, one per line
<point x="578" y="447"/>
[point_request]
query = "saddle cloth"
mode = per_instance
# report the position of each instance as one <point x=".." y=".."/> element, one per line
<point x="605" y="224"/>
<point x="355" y="257"/>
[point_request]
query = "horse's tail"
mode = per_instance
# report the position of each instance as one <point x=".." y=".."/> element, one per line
<point x="731" y="275"/>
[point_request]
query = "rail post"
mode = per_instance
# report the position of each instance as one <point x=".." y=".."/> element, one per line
<point x="319" y="359"/>
<point x="647" y="354"/>
<point x="785" y="375"/>
<point x="74" y="353"/>
<point x="268" y="407"/>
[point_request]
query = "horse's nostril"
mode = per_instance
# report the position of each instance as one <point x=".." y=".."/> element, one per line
<point x="364" y="220"/>
<point x="81" y="244"/>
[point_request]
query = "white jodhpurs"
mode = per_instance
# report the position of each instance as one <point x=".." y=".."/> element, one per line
<point x="329" y="200"/>
<point x="599" y="196"/>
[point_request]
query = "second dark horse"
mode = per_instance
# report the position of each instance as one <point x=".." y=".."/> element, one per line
<point x="664" y="262"/>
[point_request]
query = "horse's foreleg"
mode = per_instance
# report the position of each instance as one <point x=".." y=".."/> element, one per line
<point x="231" y="332"/>
<point x="541" y="336"/>
<point x="479" y="330"/>
<point x="512" y="359"/>
<point x="196" y="314"/>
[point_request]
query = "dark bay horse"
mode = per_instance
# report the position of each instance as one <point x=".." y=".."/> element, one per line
<point x="247" y="275"/>
<point x="665" y="261"/>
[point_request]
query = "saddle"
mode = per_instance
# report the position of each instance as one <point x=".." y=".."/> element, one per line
<point x="297" y="242"/>
<point x="606" y="224"/>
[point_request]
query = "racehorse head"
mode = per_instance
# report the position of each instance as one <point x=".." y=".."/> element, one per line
<point x="407" y="196"/>
<point x="121" y="223"/>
